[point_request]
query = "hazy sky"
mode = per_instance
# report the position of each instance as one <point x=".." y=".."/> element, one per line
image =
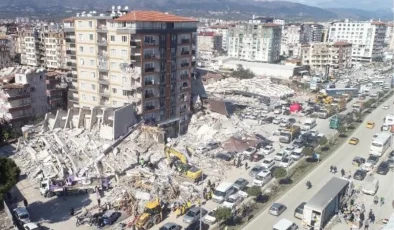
<point x="359" y="4"/>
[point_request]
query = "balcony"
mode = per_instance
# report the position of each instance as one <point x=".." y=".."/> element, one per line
<point x="184" y="76"/>
<point x="70" y="40"/>
<point x="149" y="95"/>
<point x="185" y="64"/>
<point x="102" y="42"/>
<point x="103" y="68"/>
<point x="150" y="83"/>
<point x="104" y="93"/>
<point x="129" y="86"/>
<point x="73" y="88"/>
<point x="103" y="56"/>
<point x="150" y="107"/>
<point x="19" y="106"/>
<point x="185" y="52"/>
<point x="102" y="29"/>
<point x="149" y="70"/>
<point x="183" y="111"/>
<point x="184" y="88"/>
<point x="150" y="43"/>
<point x="135" y="43"/>
<point x="185" y="41"/>
<point x="71" y="64"/>
<point x="13" y="118"/>
<point x="104" y="81"/>
<point x="150" y="56"/>
<point x="69" y="29"/>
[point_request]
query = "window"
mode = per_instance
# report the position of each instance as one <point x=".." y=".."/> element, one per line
<point x="82" y="62"/>
<point x="124" y="53"/>
<point x="114" y="102"/>
<point x="90" y="24"/>
<point x="84" y="96"/>
<point x="83" y="85"/>
<point x="80" y="24"/>
<point x="113" y="65"/>
<point x="93" y="75"/>
<point x="93" y="98"/>
<point x="113" y="52"/>
<point x="91" y="37"/>
<point x="124" y="38"/>
<point x="112" y="38"/>
<point x="80" y="37"/>
<point x="91" y="49"/>
<point x="81" y="49"/>
<point x="114" y="90"/>
<point x="92" y="62"/>
<point x="113" y="77"/>
<point x="93" y="87"/>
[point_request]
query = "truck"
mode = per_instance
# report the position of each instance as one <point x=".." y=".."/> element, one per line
<point x="358" y="107"/>
<point x="370" y="185"/>
<point x="326" y="112"/>
<point x="50" y="186"/>
<point x="336" y="121"/>
<point x="339" y="103"/>
<point x="326" y="202"/>
<point x="337" y="92"/>
<point x="288" y="135"/>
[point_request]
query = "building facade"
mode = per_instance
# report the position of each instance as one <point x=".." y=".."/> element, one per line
<point x="367" y="38"/>
<point x="5" y="56"/>
<point x="255" y="42"/>
<point x="338" y="56"/>
<point x="41" y="47"/>
<point x="222" y="30"/>
<point x="144" y="58"/>
<point x="389" y="37"/>
<point x="210" y="42"/>
<point x="290" y="45"/>
<point x="311" y="33"/>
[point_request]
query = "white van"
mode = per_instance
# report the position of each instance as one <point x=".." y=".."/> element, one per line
<point x="309" y="124"/>
<point x="222" y="192"/>
<point x="262" y="178"/>
<point x="285" y="224"/>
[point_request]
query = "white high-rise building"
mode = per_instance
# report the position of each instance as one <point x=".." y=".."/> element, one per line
<point x="367" y="38"/>
<point x="290" y="45"/>
<point x="255" y="42"/>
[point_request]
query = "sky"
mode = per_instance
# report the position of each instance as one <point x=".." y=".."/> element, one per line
<point x="359" y="4"/>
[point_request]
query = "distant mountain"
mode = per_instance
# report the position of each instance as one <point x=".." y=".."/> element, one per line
<point x="226" y="9"/>
<point x="383" y="14"/>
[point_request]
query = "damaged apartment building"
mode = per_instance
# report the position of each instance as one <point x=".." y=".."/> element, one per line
<point x="28" y="93"/>
<point x="142" y="59"/>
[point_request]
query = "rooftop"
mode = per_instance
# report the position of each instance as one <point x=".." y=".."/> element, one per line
<point x="207" y="33"/>
<point x="342" y="43"/>
<point x="152" y="16"/>
<point x="271" y="25"/>
<point x="14" y="86"/>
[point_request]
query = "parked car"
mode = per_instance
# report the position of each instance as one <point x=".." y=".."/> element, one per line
<point x="297" y="154"/>
<point x="31" y="226"/>
<point x="223" y="156"/>
<point x="268" y="120"/>
<point x="170" y="226"/>
<point x="194" y="214"/>
<point x="280" y="155"/>
<point x="299" y="211"/>
<point x="383" y="168"/>
<point x="240" y="183"/>
<point x="373" y="159"/>
<point x="212" y="145"/>
<point x="360" y="174"/>
<point x="367" y="167"/>
<point x="22" y="215"/>
<point x="201" y="149"/>
<point x="268" y="149"/>
<point x="196" y="225"/>
<point x="267" y="163"/>
<point x="386" y="107"/>
<point x="249" y="151"/>
<point x="289" y="149"/>
<point x="232" y="201"/>
<point x="354" y="141"/>
<point x="391" y="163"/>
<point x="358" y="161"/>
<point x="276" y="209"/>
<point x="210" y="218"/>
<point x="255" y="170"/>
<point x="110" y="217"/>
<point x="276" y="121"/>
<point x="286" y="162"/>
<point x="277" y="111"/>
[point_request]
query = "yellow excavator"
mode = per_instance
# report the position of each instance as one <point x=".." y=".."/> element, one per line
<point x="323" y="98"/>
<point x="179" y="160"/>
<point x="153" y="214"/>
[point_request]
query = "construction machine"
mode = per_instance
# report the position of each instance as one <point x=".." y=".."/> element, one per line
<point x="152" y="215"/>
<point x="288" y="135"/>
<point x="323" y="98"/>
<point x="180" y="161"/>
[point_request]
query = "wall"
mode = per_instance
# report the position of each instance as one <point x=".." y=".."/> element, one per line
<point x="123" y="119"/>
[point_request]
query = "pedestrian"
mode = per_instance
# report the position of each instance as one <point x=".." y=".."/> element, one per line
<point x="98" y="202"/>
<point x="71" y="211"/>
<point x="373" y="218"/>
<point x="366" y="224"/>
<point x="335" y="169"/>
<point x="246" y="165"/>
<point x="25" y="203"/>
<point x="142" y="162"/>
<point x="362" y="208"/>
<point x="331" y="168"/>
<point x="343" y="172"/>
<point x="235" y="161"/>
<point x="362" y="216"/>
<point x="381" y="201"/>
<point x="370" y="214"/>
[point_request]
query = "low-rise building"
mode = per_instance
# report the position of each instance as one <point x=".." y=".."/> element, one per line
<point x="210" y="42"/>
<point x="318" y="56"/>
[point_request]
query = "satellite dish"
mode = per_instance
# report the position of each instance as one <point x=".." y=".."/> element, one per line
<point x="126" y="8"/>
<point x="113" y="7"/>
<point x="83" y="12"/>
<point x="119" y="7"/>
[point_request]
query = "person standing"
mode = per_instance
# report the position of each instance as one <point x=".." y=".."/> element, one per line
<point x="343" y="172"/>
<point x="366" y="224"/>
<point x="25" y="202"/>
<point x="246" y="165"/>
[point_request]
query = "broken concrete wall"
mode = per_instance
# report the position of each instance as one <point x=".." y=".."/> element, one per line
<point x="60" y="119"/>
<point x="107" y="124"/>
<point x="123" y="119"/>
<point x="84" y="118"/>
<point x="50" y="119"/>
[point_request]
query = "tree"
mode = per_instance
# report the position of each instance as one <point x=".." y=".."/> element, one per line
<point x="358" y="116"/>
<point x="6" y="135"/>
<point x="307" y="151"/>
<point x="280" y="172"/>
<point x="242" y="73"/>
<point x="9" y="174"/>
<point x="323" y="141"/>
<point x="223" y="213"/>
<point x="342" y="130"/>
<point x="254" y="191"/>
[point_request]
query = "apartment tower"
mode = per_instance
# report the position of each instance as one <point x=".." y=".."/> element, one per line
<point x="144" y="58"/>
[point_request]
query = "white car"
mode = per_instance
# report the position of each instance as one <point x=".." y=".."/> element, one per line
<point x="297" y="154"/>
<point x="386" y="107"/>
<point x="210" y="218"/>
<point x="367" y="166"/>
<point x="268" y="163"/>
<point x="31" y="226"/>
<point x="277" y="111"/>
<point x="232" y="201"/>
<point x="289" y="149"/>
<point x="249" y="151"/>
<point x="284" y="125"/>
<point x="265" y="111"/>
<point x="200" y="149"/>
<point x="286" y="162"/>
<point x="314" y="133"/>
<point x="276" y="121"/>
<point x="268" y="149"/>
<point x="280" y="155"/>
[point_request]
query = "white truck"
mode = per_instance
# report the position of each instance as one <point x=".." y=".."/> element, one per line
<point x="370" y="185"/>
<point x="308" y="125"/>
<point x="50" y="187"/>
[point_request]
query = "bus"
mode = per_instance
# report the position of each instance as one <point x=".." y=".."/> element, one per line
<point x="380" y="144"/>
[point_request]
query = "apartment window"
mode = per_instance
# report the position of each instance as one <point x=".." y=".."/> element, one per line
<point x="113" y="77"/>
<point x="91" y="49"/>
<point x="93" y="98"/>
<point x="80" y="37"/>
<point x="114" y="102"/>
<point x="124" y="38"/>
<point x="83" y="85"/>
<point x="114" y="90"/>
<point x="90" y="24"/>
<point x="80" y="24"/>
<point x="81" y="49"/>
<point x="93" y="75"/>
<point x="84" y="96"/>
<point x="124" y="53"/>
<point x="113" y="65"/>
<point x="92" y="62"/>
<point x="112" y="38"/>
<point x="91" y="37"/>
<point x="82" y="62"/>
<point x="93" y="87"/>
<point x="113" y="52"/>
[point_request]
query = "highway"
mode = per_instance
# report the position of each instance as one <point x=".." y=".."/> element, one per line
<point x="342" y="158"/>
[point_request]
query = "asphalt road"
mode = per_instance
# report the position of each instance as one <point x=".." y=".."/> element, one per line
<point x="342" y="158"/>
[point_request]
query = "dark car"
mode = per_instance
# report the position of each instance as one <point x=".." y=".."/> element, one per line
<point x="223" y="156"/>
<point x="196" y="226"/>
<point x="358" y="161"/>
<point x="373" y="159"/>
<point x="292" y="120"/>
<point x="240" y="183"/>
<point x="360" y="174"/>
<point x="391" y="154"/>
<point x="383" y="168"/>
<point x="170" y="226"/>
<point x="391" y="163"/>
<point x="299" y="211"/>
<point x="255" y="170"/>
<point x="268" y="120"/>
<point x="286" y="112"/>
<point x="299" y="143"/>
<point x="110" y="217"/>
<point x="276" y="209"/>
